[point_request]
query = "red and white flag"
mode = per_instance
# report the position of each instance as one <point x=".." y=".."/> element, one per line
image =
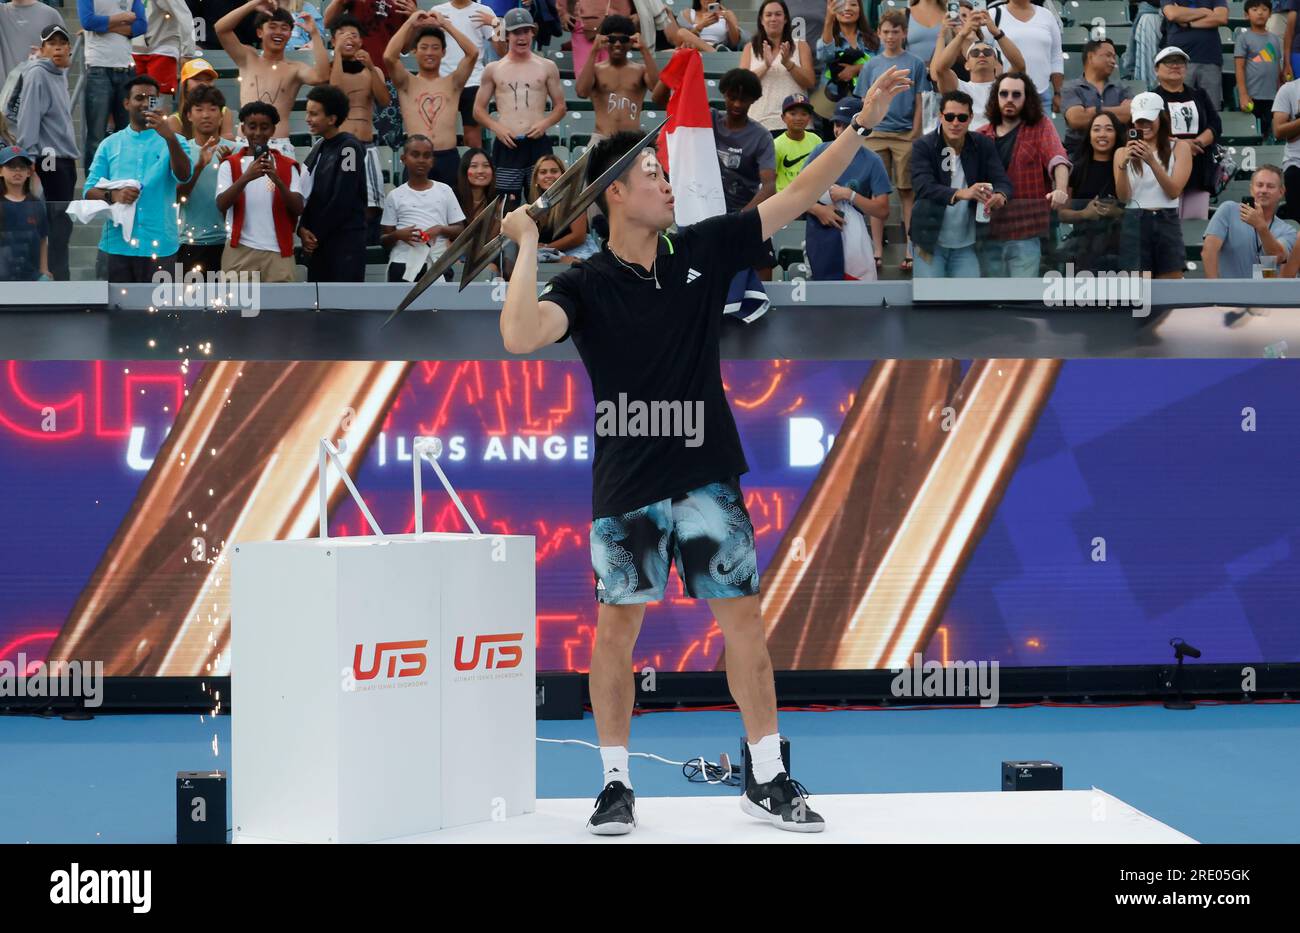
<point x="689" y="154"/>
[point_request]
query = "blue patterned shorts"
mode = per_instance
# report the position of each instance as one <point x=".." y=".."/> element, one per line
<point x="707" y="532"/>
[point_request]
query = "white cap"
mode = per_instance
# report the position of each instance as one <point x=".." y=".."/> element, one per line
<point x="1146" y="106"/>
<point x="1169" y="50"/>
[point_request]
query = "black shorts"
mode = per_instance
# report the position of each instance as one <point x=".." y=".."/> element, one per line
<point x="1155" y="239"/>
<point x="446" y="167"/>
<point x="467" y="95"/>
<point x="707" y="532"/>
<point x="514" y="167"/>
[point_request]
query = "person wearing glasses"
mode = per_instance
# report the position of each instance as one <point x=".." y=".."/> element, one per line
<point x="1030" y="149"/>
<point x="982" y="64"/>
<point x="617" y="87"/>
<point x="958" y="179"/>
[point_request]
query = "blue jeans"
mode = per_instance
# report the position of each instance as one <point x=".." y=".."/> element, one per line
<point x="946" y="263"/>
<point x="105" y="92"/>
<point x="1046" y="97"/>
<point x="1011" y="258"/>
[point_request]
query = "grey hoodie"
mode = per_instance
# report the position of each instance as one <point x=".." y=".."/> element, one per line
<point x="45" y="111"/>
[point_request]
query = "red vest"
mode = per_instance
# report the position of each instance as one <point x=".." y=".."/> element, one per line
<point x="279" y="212"/>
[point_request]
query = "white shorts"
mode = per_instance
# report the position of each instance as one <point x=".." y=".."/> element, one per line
<point x="374" y="177"/>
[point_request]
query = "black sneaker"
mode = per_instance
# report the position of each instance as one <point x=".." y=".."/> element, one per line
<point x="615" y="811"/>
<point x="783" y="802"/>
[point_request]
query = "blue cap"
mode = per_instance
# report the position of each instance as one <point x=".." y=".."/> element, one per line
<point x="847" y="108"/>
<point x="797" y="100"/>
<point x="9" y="153"/>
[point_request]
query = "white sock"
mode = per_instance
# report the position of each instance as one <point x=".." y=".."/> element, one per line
<point x="614" y="758"/>
<point x="765" y="754"/>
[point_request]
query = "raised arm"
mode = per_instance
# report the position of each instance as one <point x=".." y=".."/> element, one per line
<point x="466" y="65"/>
<point x="319" y="71"/>
<point x="816" y="178"/>
<point x="526" y="323"/>
<point x="585" y="83"/>
<point x="397" y="72"/>
<point x="945" y="56"/>
<point x="225" y="29"/>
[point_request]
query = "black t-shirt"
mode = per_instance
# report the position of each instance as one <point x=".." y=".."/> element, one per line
<point x="1093" y="179"/>
<point x="1191" y="113"/>
<point x="650" y="345"/>
<point x="1007" y="145"/>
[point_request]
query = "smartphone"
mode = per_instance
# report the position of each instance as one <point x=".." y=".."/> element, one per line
<point x="1248" y="200"/>
<point x="1133" y="133"/>
<point x="153" y="101"/>
<point x="260" y="151"/>
<point x="954" y="9"/>
<point x="715" y="7"/>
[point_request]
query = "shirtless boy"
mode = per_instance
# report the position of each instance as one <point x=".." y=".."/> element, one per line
<point x="363" y="82"/>
<point x="430" y="103"/>
<point x="268" y="76"/>
<point x="616" y="88"/>
<point x="520" y="83"/>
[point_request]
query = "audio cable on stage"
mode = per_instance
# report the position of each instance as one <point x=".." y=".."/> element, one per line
<point x="697" y="770"/>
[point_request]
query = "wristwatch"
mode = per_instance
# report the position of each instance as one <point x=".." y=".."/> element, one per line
<point x="998" y="36"/>
<point x="858" y="128"/>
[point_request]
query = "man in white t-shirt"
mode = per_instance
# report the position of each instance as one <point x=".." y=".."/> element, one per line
<point x="260" y="192"/>
<point x="478" y="22"/>
<point x="1286" y="127"/>
<point x="981" y="62"/>
<point x="421" y="217"/>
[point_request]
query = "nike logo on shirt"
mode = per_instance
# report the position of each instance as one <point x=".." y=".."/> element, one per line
<point x="791" y="163"/>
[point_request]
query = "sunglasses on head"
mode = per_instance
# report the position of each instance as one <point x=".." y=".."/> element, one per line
<point x="952" y="117"/>
<point x="1010" y="95"/>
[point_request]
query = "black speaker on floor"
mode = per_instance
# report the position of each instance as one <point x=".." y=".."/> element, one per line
<point x="749" y="764"/>
<point x="559" y="696"/>
<point x="1032" y="775"/>
<point x="201" y="807"/>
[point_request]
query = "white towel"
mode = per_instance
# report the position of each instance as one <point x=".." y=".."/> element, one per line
<point x="122" y="214"/>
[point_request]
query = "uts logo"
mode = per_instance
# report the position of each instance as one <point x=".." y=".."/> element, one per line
<point x="408" y="652"/>
<point x="498" y="656"/>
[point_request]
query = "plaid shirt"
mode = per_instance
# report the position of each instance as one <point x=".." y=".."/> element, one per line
<point x="1037" y="151"/>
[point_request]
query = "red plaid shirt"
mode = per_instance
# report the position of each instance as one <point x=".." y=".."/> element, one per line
<point x="1037" y="151"/>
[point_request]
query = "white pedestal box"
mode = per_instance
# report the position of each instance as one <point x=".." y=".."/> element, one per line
<point x="382" y="686"/>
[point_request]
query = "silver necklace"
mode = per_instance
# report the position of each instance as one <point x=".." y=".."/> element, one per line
<point x="652" y="277"/>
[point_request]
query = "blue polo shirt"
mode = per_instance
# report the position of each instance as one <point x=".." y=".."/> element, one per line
<point x="145" y="157"/>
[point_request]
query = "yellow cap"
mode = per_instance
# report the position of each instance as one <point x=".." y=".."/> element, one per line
<point x="196" y="67"/>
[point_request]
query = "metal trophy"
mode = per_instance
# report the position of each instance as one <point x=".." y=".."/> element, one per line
<point x="560" y="205"/>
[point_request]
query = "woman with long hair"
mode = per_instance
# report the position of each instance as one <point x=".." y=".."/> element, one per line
<point x="713" y="23"/>
<point x="925" y="20"/>
<point x="846" y="42"/>
<point x="195" y="73"/>
<point x="783" y="64"/>
<point x="572" y="243"/>
<point x="1094" y="209"/>
<point x="476" y="186"/>
<point x="1150" y="174"/>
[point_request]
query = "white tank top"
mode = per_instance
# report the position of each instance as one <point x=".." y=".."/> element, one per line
<point x="778" y="84"/>
<point x="1146" y="191"/>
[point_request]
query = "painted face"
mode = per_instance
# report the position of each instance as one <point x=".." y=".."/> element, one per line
<point x="480" y="171"/>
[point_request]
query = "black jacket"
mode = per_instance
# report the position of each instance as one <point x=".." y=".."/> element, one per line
<point x="337" y="204"/>
<point x="931" y="182"/>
